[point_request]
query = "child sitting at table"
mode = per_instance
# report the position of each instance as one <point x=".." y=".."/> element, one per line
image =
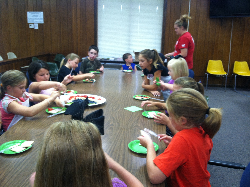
<point x="68" y="65"/>
<point x="91" y="63"/>
<point x="15" y="100"/>
<point x="153" y="67"/>
<point x="176" y="68"/>
<point x="38" y="73"/>
<point x="72" y="155"/>
<point x="184" y="161"/>
<point x="181" y="82"/>
<point x="129" y="65"/>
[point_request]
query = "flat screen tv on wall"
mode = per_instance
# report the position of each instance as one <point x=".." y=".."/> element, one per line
<point x="229" y="8"/>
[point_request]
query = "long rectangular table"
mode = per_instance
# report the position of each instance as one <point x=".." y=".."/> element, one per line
<point x="121" y="127"/>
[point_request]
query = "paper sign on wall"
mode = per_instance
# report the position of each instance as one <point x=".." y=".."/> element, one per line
<point x="35" y="17"/>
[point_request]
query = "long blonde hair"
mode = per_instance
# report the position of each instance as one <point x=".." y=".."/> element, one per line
<point x="71" y="56"/>
<point x="72" y="156"/>
<point x="179" y="67"/>
<point x="183" y="21"/>
<point x="152" y="55"/>
<point x="192" y="105"/>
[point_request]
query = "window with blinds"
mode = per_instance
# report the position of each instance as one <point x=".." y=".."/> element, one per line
<point x="125" y="26"/>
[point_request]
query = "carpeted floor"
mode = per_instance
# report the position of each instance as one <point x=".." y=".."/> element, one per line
<point x="231" y="143"/>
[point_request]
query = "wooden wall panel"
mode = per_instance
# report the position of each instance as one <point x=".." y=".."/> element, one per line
<point x="212" y="36"/>
<point x="68" y="27"/>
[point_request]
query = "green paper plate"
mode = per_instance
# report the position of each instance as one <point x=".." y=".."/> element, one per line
<point x="127" y="71"/>
<point x="136" y="147"/>
<point x="89" y="80"/>
<point x="95" y="72"/>
<point x="5" y="147"/>
<point x="141" y="97"/>
<point x="57" y="109"/>
<point x="70" y="92"/>
<point x="147" y="113"/>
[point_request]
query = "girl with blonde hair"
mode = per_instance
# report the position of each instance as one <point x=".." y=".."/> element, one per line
<point x="68" y="66"/>
<point x="185" y="44"/>
<point x="184" y="161"/>
<point x="72" y="155"/>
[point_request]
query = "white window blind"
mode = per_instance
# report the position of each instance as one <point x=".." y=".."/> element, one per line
<point x="125" y="26"/>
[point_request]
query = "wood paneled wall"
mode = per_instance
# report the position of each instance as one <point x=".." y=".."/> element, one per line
<point x="68" y="27"/>
<point x="212" y="36"/>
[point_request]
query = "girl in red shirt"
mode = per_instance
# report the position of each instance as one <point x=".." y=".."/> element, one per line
<point x="184" y="161"/>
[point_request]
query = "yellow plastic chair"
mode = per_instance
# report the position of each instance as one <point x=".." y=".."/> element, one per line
<point x="215" y="67"/>
<point x="240" y="68"/>
<point x="11" y="55"/>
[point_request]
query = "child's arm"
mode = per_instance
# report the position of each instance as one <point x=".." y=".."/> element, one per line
<point x="135" y="68"/>
<point x="67" y="79"/>
<point x="129" y="179"/>
<point x="122" y="68"/>
<point x="16" y="108"/>
<point x="157" y="104"/>
<point x="146" y="82"/>
<point x="83" y="76"/>
<point x="36" y="87"/>
<point x="156" y="176"/>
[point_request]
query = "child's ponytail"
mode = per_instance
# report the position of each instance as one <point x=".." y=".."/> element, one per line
<point x="212" y="123"/>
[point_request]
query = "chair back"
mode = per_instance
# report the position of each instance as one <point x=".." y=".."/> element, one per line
<point x="241" y="68"/>
<point x="215" y="67"/>
<point x="34" y="58"/>
<point x="53" y="69"/>
<point x="11" y="55"/>
<point x="1" y="58"/>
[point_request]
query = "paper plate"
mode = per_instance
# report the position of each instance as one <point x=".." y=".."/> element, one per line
<point x="54" y="110"/>
<point x="93" y="99"/>
<point x="136" y="147"/>
<point x="142" y="75"/>
<point x="89" y="80"/>
<point x="128" y="71"/>
<point x="95" y="72"/>
<point x="70" y="92"/>
<point x="5" y="147"/>
<point x="141" y="97"/>
<point x="150" y="114"/>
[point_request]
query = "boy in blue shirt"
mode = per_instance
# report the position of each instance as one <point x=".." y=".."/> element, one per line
<point x="129" y="65"/>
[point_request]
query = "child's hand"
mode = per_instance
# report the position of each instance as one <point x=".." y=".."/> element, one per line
<point x="145" y="140"/>
<point x="59" y="103"/>
<point x="166" y="139"/>
<point x="91" y="75"/>
<point x="110" y="160"/>
<point x="155" y="93"/>
<point x="61" y="87"/>
<point x="67" y="79"/>
<point x="162" y="119"/>
<point x="101" y="69"/>
<point x="149" y="103"/>
<point x="130" y="67"/>
<point x="54" y="95"/>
